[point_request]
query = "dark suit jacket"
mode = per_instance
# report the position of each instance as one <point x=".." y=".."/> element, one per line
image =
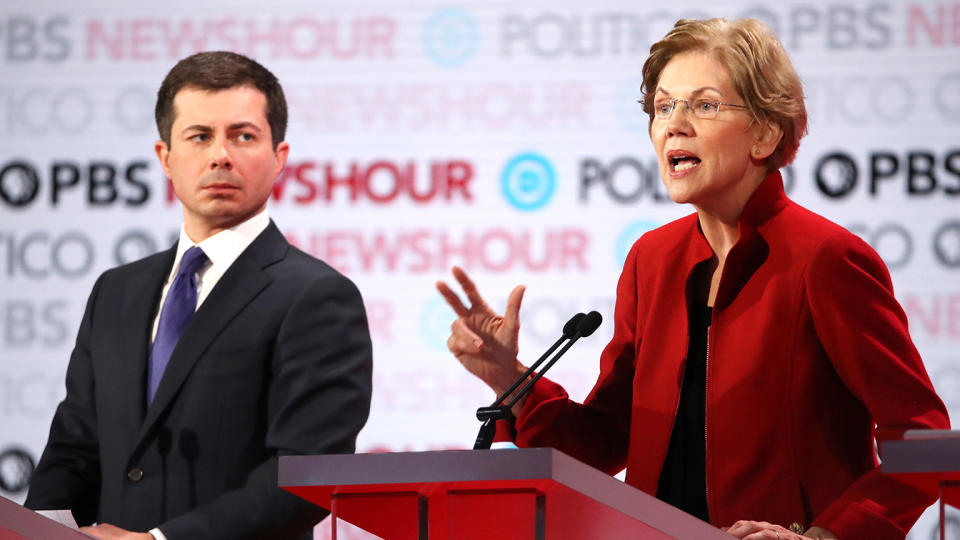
<point x="277" y="360"/>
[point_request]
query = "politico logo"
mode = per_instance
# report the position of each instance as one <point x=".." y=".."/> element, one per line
<point x="41" y="254"/>
<point x="33" y="110"/>
<point x="947" y="92"/>
<point x="528" y="181"/>
<point x="810" y="26"/>
<point x="450" y="37"/>
<point x="562" y="34"/>
<point x="624" y="180"/>
<point x="946" y="244"/>
<point x="896" y="245"/>
<point x="33" y="394"/>
<point x="884" y="98"/>
<point x="892" y="242"/>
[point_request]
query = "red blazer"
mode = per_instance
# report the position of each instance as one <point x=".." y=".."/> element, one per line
<point x="808" y="349"/>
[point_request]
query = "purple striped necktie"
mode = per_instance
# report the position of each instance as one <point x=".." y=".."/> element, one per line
<point x="178" y="309"/>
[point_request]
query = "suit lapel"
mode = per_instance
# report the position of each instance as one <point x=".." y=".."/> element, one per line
<point x="241" y="283"/>
<point x="138" y="309"/>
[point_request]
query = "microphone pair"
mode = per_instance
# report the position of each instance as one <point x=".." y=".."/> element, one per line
<point x="582" y="324"/>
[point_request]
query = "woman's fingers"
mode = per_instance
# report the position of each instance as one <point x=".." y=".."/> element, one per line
<point x="463" y="340"/>
<point x="511" y="318"/>
<point x="760" y="530"/>
<point x="469" y="288"/>
<point x="453" y="300"/>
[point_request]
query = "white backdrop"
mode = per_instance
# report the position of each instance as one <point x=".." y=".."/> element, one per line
<point x="504" y="137"/>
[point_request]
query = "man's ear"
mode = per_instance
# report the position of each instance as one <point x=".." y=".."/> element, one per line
<point x="163" y="155"/>
<point x="280" y="154"/>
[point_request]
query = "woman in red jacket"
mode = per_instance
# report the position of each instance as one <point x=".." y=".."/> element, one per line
<point x="758" y="349"/>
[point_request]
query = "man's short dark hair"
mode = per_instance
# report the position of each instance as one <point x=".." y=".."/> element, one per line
<point x="221" y="70"/>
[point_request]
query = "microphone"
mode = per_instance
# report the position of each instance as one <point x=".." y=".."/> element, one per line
<point x="578" y="326"/>
<point x="588" y="325"/>
<point x="569" y="329"/>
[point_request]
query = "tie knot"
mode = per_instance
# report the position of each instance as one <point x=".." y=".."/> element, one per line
<point x="192" y="260"/>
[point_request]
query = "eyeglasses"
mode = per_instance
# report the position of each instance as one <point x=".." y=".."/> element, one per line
<point x="700" y="107"/>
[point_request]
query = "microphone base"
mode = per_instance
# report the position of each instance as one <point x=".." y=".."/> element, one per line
<point x="485" y="436"/>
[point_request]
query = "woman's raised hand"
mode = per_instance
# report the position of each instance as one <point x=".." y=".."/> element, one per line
<point x="483" y="341"/>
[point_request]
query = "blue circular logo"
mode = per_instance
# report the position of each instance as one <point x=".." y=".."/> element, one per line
<point x="435" y="320"/>
<point x="630" y="235"/>
<point x="450" y="37"/>
<point x="528" y="181"/>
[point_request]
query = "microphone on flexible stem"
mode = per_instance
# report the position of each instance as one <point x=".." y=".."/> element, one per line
<point x="569" y="330"/>
<point x="578" y="326"/>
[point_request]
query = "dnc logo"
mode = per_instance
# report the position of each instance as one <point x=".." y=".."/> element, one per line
<point x="450" y="37"/>
<point x="528" y="181"/>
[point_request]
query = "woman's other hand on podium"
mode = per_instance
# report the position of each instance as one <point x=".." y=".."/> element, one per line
<point x="761" y="530"/>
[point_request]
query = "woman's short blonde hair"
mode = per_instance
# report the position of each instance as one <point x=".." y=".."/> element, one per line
<point x="758" y="65"/>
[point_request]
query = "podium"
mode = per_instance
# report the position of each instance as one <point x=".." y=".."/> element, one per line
<point x="928" y="459"/>
<point x="19" y="523"/>
<point x="527" y="494"/>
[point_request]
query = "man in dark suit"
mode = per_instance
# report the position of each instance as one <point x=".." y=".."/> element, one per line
<point x="195" y="368"/>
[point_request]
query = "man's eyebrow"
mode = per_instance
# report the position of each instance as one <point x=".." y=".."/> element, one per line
<point x="232" y="127"/>
<point x="197" y="127"/>
<point x="244" y="125"/>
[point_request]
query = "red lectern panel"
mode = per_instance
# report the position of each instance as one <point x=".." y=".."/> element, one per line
<point x="506" y="514"/>
<point x="504" y="494"/>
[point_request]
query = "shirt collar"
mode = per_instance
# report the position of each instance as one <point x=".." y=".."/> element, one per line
<point x="224" y="247"/>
